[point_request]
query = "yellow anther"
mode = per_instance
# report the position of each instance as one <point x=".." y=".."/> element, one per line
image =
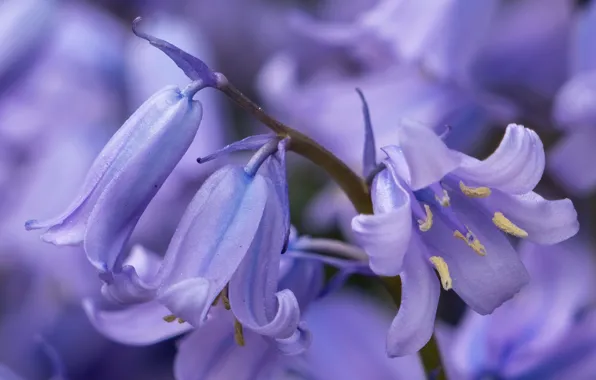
<point x="224" y="298"/>
<point x="507" y="226"/>
<point x="181" y="321"/>
<point x="427" y="223"/>
<point x="474" y="192"/>
<point x="444" y="201"/>
<point x="238" y="333"/>
<point x="472" y="242"/>
<point x="443" y="270"/>
<point x="169" y="318"/>
<point x="216" y="300"/>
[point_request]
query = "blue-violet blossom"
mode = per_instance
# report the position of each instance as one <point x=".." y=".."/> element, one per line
<point x="547" y="331"/>
<point x="126" y="176"/>
<point x="438" y="208"/>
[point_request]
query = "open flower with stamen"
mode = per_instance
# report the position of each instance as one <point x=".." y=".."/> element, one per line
<point x="436" y="208"/>
<point x="126" y="176"/>
<point x="547" y="331"/>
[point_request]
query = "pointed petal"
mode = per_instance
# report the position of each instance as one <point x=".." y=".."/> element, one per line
<point x="370" y="152"/>
<point x="276" y="171"/>
<point x="515" y="167"/>
<point x="139" y="176"/>
<point x="575" y="103"/>
<point x="213" y="237"/>
<point x="414" y="323"/>
<point x="249" y="143"/>
<point x="483" y="282"/>
<point x="210" y="353"/>
<point x="546" y="222"/>
<point x="141" y="324"/>
<point x="252" y="289"/>
<point x="427" y="156"/>
<point x="193" y="67"/>
<point x="385" y="236"/>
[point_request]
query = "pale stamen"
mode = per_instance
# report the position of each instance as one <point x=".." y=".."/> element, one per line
<point x="474" y="192"/>
<point x="471" y="241"/>
<point x="426" y="223"/>
<point x="443" y="270"/>
<point x="507" y="226"/>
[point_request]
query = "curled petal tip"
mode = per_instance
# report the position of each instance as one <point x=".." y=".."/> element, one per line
<point x="193" y="67"/>
<point x="31" y="225"/>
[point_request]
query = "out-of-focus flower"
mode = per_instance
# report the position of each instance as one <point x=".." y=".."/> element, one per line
<point x="574" y="111"/>
<point x="412" y="59"/>
<point x="244" y="33"/>
<point x="126" y="175"/>
<point x="231" y="235"/>
<point x="547" y="331"/>
<point x="24" y="26"/>
<point x="346" y="329"/>
<point x="438" y="207"/>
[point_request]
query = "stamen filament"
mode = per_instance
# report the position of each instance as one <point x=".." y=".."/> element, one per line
<point x="474" y="192"/>
<point x="471" y="241"/>
<point x="443" y="270"/>
<point x="507" y="226"/>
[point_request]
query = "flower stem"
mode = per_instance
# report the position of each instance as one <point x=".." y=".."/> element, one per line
<point x="351" y="183"/>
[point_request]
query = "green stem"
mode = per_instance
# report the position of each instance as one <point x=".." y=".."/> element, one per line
<point x="351" y="183"/>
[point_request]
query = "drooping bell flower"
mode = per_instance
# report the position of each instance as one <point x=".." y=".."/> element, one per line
<point x="435" y="208"/>
<point x="547" y="331"/>
<point x="126" y="175"/>
<point x="231" y="236"/>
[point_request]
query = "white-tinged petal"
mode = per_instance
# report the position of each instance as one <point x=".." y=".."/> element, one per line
<point x="414" y="323"/>
<point x="141" y="324"/>
<point x="515" y="167"/>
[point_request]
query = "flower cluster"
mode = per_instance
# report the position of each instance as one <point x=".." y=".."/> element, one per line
<point x="170" y="234"/>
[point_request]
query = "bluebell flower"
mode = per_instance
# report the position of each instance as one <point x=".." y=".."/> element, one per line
<point x="126" y="175"/>
<point x="439" y="208"/>
<point x="547" y="331"/>
<point x="299" y="280"/>
<point x="574" y="111"/>
<point x="231" y="236"/>
<point x="148" y="70"/>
